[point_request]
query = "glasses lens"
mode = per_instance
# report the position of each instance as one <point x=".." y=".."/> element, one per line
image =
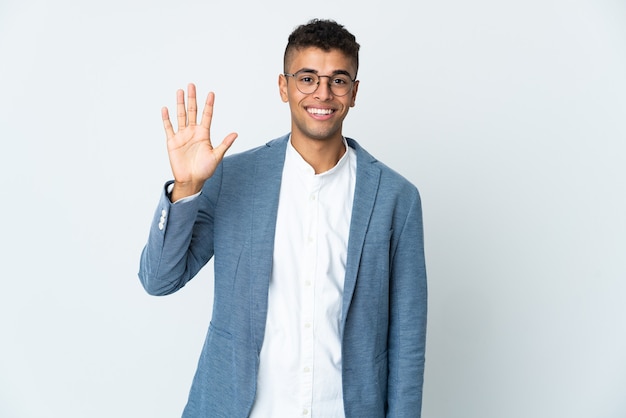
<point x="307" y="82"/>
<point x="340" y="84"/>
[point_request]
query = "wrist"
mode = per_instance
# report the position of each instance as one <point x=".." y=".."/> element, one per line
<point x="180" y="190"/>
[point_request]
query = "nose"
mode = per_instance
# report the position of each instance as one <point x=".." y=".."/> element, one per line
<point x="323" y="91"/>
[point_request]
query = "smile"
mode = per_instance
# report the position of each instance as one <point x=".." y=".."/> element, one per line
<point x="316" y="111"/>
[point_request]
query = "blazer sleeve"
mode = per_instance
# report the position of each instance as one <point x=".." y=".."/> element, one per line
<point x="408" y="311"/>
<point x="180" y="241"/>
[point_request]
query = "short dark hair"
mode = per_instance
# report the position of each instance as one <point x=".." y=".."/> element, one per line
<point x="323" y="34"/>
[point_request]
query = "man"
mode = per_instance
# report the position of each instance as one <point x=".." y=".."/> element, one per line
<point x="320" y="284"/>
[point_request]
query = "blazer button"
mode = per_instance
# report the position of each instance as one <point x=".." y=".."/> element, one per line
<point x="162" y="219"/>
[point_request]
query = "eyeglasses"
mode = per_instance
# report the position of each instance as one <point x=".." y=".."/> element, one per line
<point x="307" y="82"/>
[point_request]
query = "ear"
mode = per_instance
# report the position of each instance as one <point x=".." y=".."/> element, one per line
<point x="282" y="88"/>
<point x="355" y="89"/>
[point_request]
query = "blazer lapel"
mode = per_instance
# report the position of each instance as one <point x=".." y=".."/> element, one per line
<point x="267" y="178"/>
<point x="366" y="188"/>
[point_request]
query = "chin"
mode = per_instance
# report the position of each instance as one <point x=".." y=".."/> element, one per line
<point x="322" y="135"/>
<point x="321" y="132"/>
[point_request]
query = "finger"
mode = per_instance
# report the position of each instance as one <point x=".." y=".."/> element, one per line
<point x="181" y="114"/>
<point x="169" y="130"/>
<point x="207" y="113"/>
<point x="225" y="145"/>
<point x="192" y="106"/>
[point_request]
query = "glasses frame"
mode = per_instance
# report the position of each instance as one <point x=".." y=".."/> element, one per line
<point x="319" y="79"/>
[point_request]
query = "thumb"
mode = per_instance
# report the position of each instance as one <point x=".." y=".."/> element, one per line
<point x="225" y="145"/>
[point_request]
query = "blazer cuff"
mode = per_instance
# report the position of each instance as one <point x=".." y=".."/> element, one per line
<point x="169" y="186"/>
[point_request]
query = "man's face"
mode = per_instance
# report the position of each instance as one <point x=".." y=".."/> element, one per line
<point x="318" y="115"/>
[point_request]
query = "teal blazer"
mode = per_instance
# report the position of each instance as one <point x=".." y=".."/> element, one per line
<point x="383" y="322"/>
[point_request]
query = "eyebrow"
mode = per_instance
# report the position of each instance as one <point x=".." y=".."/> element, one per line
<point x="310" y="70"/>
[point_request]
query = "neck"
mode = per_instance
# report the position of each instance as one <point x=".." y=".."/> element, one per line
<point x="322" y="155"/>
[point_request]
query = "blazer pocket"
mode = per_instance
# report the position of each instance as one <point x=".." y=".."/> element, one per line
<point x="376" y="254"/>
<point x="377" y="238"/>
<point x="219" y="331"/>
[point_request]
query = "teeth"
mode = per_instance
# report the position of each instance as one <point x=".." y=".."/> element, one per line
<point x="320" y="111"/>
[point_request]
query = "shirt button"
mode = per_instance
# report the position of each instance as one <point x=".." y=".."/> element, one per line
<point x="306" y="370"/>
<point x="307" y="325"/>
<point x="307" y="282"/>
<point x="305" y="412"/>
<point x="163" y="213"/>
<point x="312" y="197"/>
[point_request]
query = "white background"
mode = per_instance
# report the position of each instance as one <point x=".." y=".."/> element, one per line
<point x="510" y="117"/>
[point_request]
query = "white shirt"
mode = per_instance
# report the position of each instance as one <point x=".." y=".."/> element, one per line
<point x="300" y="362"/>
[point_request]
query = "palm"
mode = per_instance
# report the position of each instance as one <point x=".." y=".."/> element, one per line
<point x="191" y="154"/>
<point x="193" y="157"/>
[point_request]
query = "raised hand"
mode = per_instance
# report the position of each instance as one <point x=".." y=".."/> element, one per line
<point x="192" y="156"/>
